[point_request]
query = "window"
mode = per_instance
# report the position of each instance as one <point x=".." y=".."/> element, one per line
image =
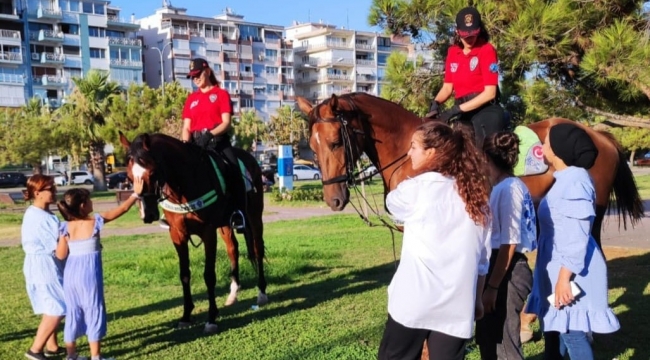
<point x="96" y="53"/>
<point x="96" y="31"/>
<point x="382" y="59"/>
<point x="115" y="33"/>
<point x="71" y="29"/>
<point x="72" y="73"/>
<point x="64" y="5"/>
<point x="382" y="41"/>
<point x="74" y="6"/>
<point x="99" y="9"/>
<point x="71" y="50"/>
<point x="271" y="70"/>
<point x="271" y="54"/>
<point x="87" y="8"/>
<point x="35" y="27"/>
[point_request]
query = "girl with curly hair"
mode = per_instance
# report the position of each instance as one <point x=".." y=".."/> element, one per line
<point x="444" y="259"/>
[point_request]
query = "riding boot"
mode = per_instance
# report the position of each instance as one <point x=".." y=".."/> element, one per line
<point x="237" y="218"/>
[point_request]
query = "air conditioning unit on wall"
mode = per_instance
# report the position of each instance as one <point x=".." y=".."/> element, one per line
<point x="36" y="56"/>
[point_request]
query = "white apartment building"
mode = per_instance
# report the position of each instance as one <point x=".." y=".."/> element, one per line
<point x="252" y="61"/>
<point x="330" y="60"/>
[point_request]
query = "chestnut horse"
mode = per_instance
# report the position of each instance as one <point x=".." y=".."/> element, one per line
<point x="343" y="127"/>
<point x="183" y="175"/>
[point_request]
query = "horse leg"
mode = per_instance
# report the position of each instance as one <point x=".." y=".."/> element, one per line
<point x="185" y="274"/>
<point x="257" y="232"/>
<point x="210" y="277"/>
<point x="232" y="248"/>
<point x="598" y="225"/>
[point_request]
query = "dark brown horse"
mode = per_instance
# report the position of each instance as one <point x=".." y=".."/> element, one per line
<point x="343" y="127"/>
<point x="183" y="176"/>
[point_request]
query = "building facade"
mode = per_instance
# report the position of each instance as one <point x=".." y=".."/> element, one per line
<point x="252" y="61"/>
<point x="330" y="60"/>
<point x="45" y="43"/>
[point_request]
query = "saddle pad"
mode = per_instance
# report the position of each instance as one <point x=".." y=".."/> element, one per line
<point x="531" y="159"/>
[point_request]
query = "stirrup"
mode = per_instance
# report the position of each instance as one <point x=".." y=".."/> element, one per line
<point x="238" y="221"/>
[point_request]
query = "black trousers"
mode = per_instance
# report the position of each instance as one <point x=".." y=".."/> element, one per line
<point x="402" y="343"/>
<point x="484" y="121"/>
<point x="221" y="145"/>
<point x="497" y="333"/>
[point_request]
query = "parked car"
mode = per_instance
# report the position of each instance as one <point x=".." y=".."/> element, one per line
<point x="12" y="179"/>
<point x="116" y="180"/>
<point x="81" y="177"/>
<point x="59" y="179"/>
<point x="371" y="170"/>
<point x="304" y="172"/>
<point x="644" y="161"/>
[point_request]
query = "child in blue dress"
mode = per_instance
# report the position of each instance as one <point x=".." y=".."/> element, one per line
<point x="83" y="283"/>
<point x="43" y="271"/>
<point x="567" y="251"/>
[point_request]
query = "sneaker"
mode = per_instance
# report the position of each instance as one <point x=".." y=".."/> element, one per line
<point x="237" y="221"/>
<point x="163" y="223"/>
<point x="77" y="357"/>
<point x="58" y="352"/>
<point x="35" y="356"/>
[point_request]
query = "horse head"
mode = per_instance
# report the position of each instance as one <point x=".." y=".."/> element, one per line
<point x="337" y="139"/>
<point x="142" y="164"/>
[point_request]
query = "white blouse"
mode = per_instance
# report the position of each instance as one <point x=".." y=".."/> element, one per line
<point x="443" y="253"/>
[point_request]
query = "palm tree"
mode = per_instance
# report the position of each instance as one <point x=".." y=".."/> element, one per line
<point x="87" y="109"/>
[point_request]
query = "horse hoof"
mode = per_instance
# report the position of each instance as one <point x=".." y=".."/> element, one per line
<point x="184" y="324"/>
<point x="210" y="328"/>
<point x="231" y="300"/>
<point x="262" y="299"/>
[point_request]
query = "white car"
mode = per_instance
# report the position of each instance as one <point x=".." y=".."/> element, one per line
<point x="81" y="177"/>
<point x="60" y="179"/>
<point x="304" y="172"/>
<point x="371" y="170"/>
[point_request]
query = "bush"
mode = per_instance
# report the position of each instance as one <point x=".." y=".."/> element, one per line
<point x="297" y="195"/>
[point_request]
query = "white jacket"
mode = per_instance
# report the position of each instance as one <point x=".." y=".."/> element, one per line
<point x="443" y="253"/>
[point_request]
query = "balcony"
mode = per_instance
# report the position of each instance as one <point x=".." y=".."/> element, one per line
<point x="366" y="78"/>
<point x="120" y="41"/>
<point x="53" y="81"/>
<point x="10" y="35"/>
<point x="50" y="36"/>
<point x="12" y="101"/>
<point x="11" y="79"/>
<point x="117" y="21"/>
<point x="364" y="62"/>
<point x="52" y="58"/>
<point x="330" y="44"/>
<point x="10" y="57"/>
<point x="49" y="14"/>
<point x="126" y="63"/>
<point x="334" y="77"/>
<point x="367" y="47"/>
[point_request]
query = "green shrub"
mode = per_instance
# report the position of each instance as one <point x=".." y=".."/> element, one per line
<point x="297" y="195"/>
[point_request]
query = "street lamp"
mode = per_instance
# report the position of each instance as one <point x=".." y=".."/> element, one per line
<point x="162" y="68"/>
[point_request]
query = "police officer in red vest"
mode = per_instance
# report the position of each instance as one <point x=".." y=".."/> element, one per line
<point x="207" y="121"/>
<point x="472" y="75"/>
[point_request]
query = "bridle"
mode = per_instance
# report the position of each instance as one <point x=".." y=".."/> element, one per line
<point x="351" y="151"/>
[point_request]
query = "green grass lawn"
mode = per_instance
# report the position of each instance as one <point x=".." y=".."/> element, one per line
<point x="327" y="288"/>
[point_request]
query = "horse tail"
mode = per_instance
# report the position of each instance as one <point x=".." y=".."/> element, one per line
<point x="625" y="195"/>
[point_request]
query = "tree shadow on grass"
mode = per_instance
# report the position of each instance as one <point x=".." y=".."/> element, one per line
<point x="311" y="294"/>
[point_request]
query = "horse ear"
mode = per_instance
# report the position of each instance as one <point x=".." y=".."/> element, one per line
<point x="146" y="141"/>
<point x="334" y="102"/>
<point x="304" y="105"/>
<point x="124" y="141"/>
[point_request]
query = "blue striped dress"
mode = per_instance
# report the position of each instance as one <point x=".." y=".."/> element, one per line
<point x="83" y="285"/>
<point x="43" y="271"/>
<point x="566" y="215"/>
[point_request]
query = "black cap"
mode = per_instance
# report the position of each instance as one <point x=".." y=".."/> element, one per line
<point x="573" y="145"/>
<point x="468" y="22"/>
<point x="196" y="66"/>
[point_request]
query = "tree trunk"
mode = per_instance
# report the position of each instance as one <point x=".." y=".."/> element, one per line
<point x="632" y="158"/>
<point x="96" y="151"/>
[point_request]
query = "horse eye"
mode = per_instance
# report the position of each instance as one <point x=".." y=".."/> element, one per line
<point x="336" y="144"/>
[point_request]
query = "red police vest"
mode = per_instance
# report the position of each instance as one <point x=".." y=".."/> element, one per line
<point x="471" y="73"/>
<point x="205" y="109"/>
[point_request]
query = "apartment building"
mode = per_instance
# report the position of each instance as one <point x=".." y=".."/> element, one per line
<point x="331" y="60"/>
<point x="251" y="60"/>
<point x="44" y="43"/>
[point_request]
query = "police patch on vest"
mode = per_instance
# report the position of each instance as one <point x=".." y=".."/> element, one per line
<point x="454" y="67"/>
<point x="473" y="63"/>
<point x="494" y="68"/>
<point x="213" y="97"/>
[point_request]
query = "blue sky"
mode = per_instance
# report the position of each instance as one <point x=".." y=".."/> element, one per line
<point x="276" y="12"/>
